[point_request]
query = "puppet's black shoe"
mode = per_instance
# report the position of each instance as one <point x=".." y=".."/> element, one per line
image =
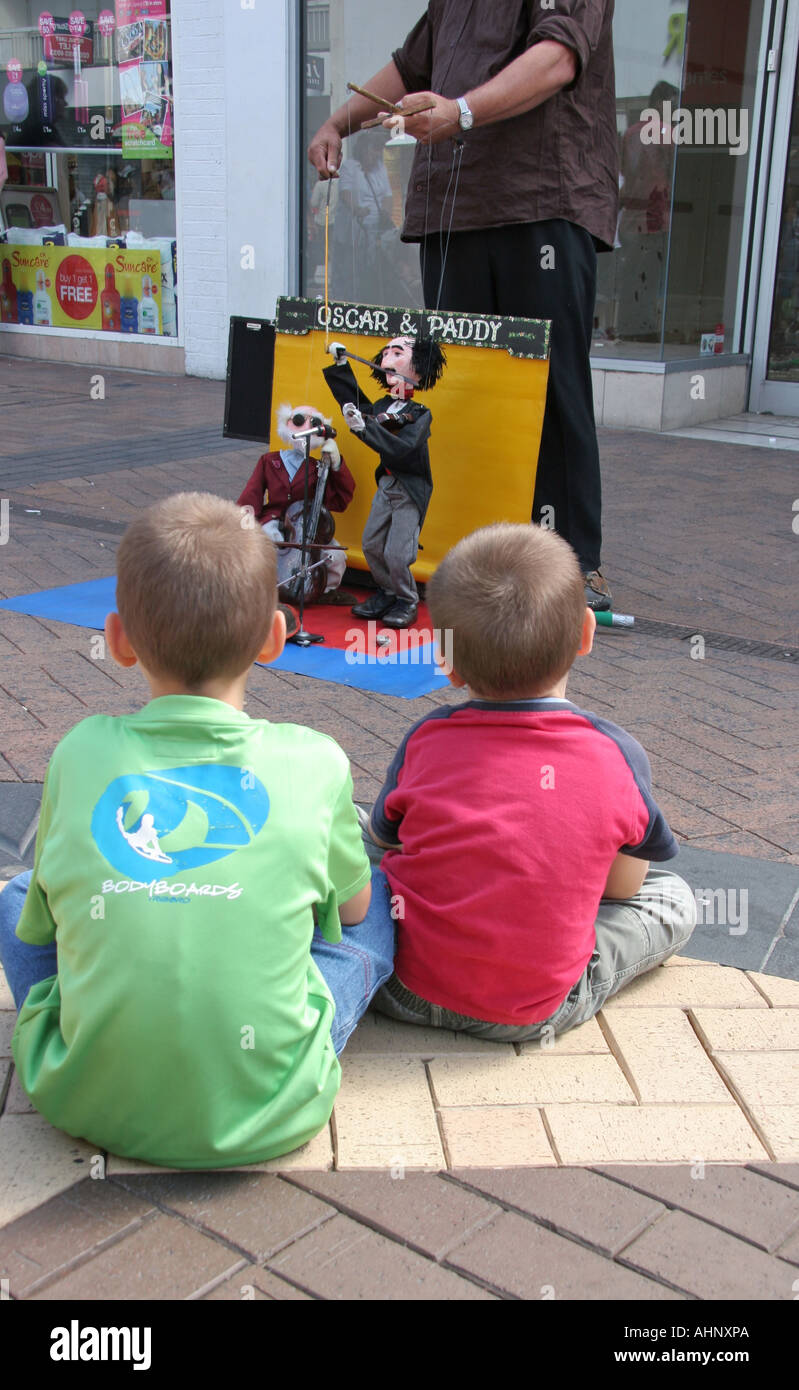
<point x="402" y="614"/>
<point x="376" y="605"/>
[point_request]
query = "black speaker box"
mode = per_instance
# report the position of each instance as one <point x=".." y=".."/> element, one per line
<point x="250" y="363"/>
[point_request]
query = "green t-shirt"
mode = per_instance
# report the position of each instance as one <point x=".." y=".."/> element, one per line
<point x="180" y="854"/>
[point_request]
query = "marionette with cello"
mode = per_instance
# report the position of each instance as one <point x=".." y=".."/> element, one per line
<point x="311" y="567"/>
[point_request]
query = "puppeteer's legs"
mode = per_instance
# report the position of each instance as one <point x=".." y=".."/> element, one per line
<point x="541" y="270"/>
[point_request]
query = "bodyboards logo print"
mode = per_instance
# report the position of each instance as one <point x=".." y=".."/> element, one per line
<point x="184" y="817"/>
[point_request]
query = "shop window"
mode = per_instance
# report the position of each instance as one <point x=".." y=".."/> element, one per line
<point x="669" y="287"/>
<point x="87" y="216"/>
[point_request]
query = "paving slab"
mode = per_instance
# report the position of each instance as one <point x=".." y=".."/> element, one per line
<point x="384" y="1116"/>
<point x="706" y="1263"/>
<point x="663" y="1058"/>
<point x="252" y="1284"/>
<point x="511" y="1134"/>
<point x="344" y="1260"/>
<point x="731" y="1030"/>
<point x="163" y="1259"/>
<point x="423" y="1210"/>
<point x="652" y="1134"/>
<point x="572" y="1202"/>
<point x="667" y="989"/>
<point x="588" y="1037"/>
<point x="779" y="993"/>
<point x="744" y="904"/>
<point x="760" y="1079"/>
<point x="742" y="1202"/>
<point x="65" y="1231"/>
<point x="526" y="1261"/>
<point x="257" y="1215"/>
<point x="537" y="1080"/>
<point x="779" y="1127"/>
<point x="37" y="1162"/>
<point x="19" y="816"/>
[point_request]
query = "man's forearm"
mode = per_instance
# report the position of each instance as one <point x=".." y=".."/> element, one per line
<point x="532" y="78"/>
<point x="529" y="80"/>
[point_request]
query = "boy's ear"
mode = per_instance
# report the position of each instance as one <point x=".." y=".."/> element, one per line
<point x="275" y="640"/>
<point x="117" y="639"/>
<point x="589" y="628"/>
<point x="456" y="681"/>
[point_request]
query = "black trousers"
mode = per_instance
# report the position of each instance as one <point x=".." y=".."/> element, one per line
<point x="539" y="270"/>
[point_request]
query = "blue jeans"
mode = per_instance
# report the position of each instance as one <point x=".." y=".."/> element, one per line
<point x="354" y="969"/>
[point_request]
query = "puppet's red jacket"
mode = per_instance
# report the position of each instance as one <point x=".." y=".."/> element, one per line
<point x="270" y="490"/>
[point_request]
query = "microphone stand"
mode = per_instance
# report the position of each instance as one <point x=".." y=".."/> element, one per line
<point x="301" y="638"/>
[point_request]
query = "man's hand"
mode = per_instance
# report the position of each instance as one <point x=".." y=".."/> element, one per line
<point x="353" y="417"/>
<point x="330" y="451"/>
<point x="324" y="151"/>
<point x="338" y="352"/>
<point x="442" y="123"/>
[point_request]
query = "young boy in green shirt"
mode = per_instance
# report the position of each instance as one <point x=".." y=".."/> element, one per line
<point x="182" y="855"/>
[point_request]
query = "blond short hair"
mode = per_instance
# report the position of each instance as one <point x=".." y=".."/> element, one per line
<point x="513" y="599"/>
<point x="196" y="588"/>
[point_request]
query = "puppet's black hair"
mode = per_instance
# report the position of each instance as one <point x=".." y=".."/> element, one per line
<point x="428" y="361"/>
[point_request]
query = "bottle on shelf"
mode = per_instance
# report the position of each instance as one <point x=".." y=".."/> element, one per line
<point x="148" y="310"/>
<point x="110" y="303"/>
<point x="42" y="308"/>
<point x="8" y="296"/>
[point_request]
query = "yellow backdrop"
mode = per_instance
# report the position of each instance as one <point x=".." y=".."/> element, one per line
<point x="487" y="413"/>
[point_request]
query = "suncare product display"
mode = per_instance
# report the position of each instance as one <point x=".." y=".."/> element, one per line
<point x="148" y="310"/>
<point x="129" y="315"/>
<point x="110" y="303"/>
<point x="25" y="306"/>
<point x="15" y="102"/>
<point x="42" y="308"/>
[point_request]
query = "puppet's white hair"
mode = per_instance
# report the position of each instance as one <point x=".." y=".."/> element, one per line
<point x="284" y="412"/>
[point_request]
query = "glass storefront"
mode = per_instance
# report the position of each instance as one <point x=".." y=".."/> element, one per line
<point x="783" y="348"/>
<point x="87" y="217"/>
<point x="685" y="85"/>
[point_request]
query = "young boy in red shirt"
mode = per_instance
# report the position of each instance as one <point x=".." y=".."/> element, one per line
<point x="519" y="828"/>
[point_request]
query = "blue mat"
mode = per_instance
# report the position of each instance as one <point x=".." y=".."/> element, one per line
<point x="86" y="605"/>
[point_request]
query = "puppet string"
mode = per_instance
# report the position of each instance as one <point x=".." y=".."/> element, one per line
<point x="457" y="157"/>
<point x="327" y="265"/>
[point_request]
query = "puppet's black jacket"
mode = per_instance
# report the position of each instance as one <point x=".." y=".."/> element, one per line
<point x="403" y="452"/>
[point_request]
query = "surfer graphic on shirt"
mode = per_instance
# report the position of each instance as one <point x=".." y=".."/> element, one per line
<point x="143" y="841"/>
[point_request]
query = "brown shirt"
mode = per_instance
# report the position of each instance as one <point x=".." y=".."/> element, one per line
<point x="558" y="160"/>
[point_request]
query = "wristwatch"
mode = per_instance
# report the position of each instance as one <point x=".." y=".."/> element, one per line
<point x="466" y="119"/>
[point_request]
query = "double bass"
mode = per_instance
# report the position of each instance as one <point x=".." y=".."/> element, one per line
<point x="292" y="576"/>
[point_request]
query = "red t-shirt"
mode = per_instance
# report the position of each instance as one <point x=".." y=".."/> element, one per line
<point x="509" y="816"/>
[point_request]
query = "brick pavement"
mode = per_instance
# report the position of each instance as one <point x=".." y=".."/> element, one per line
<point x="692" y="541"/>
<point x="632" y="1233"/>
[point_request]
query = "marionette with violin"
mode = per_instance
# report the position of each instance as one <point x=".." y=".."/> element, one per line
<point x="397" y="428"/>
<point x="275" y="493"/>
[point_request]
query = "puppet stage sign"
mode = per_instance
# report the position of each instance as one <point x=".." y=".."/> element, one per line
<point x="488" y="410"/>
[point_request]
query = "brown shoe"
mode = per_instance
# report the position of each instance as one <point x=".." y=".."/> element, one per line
<point x="597" y="592"/>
